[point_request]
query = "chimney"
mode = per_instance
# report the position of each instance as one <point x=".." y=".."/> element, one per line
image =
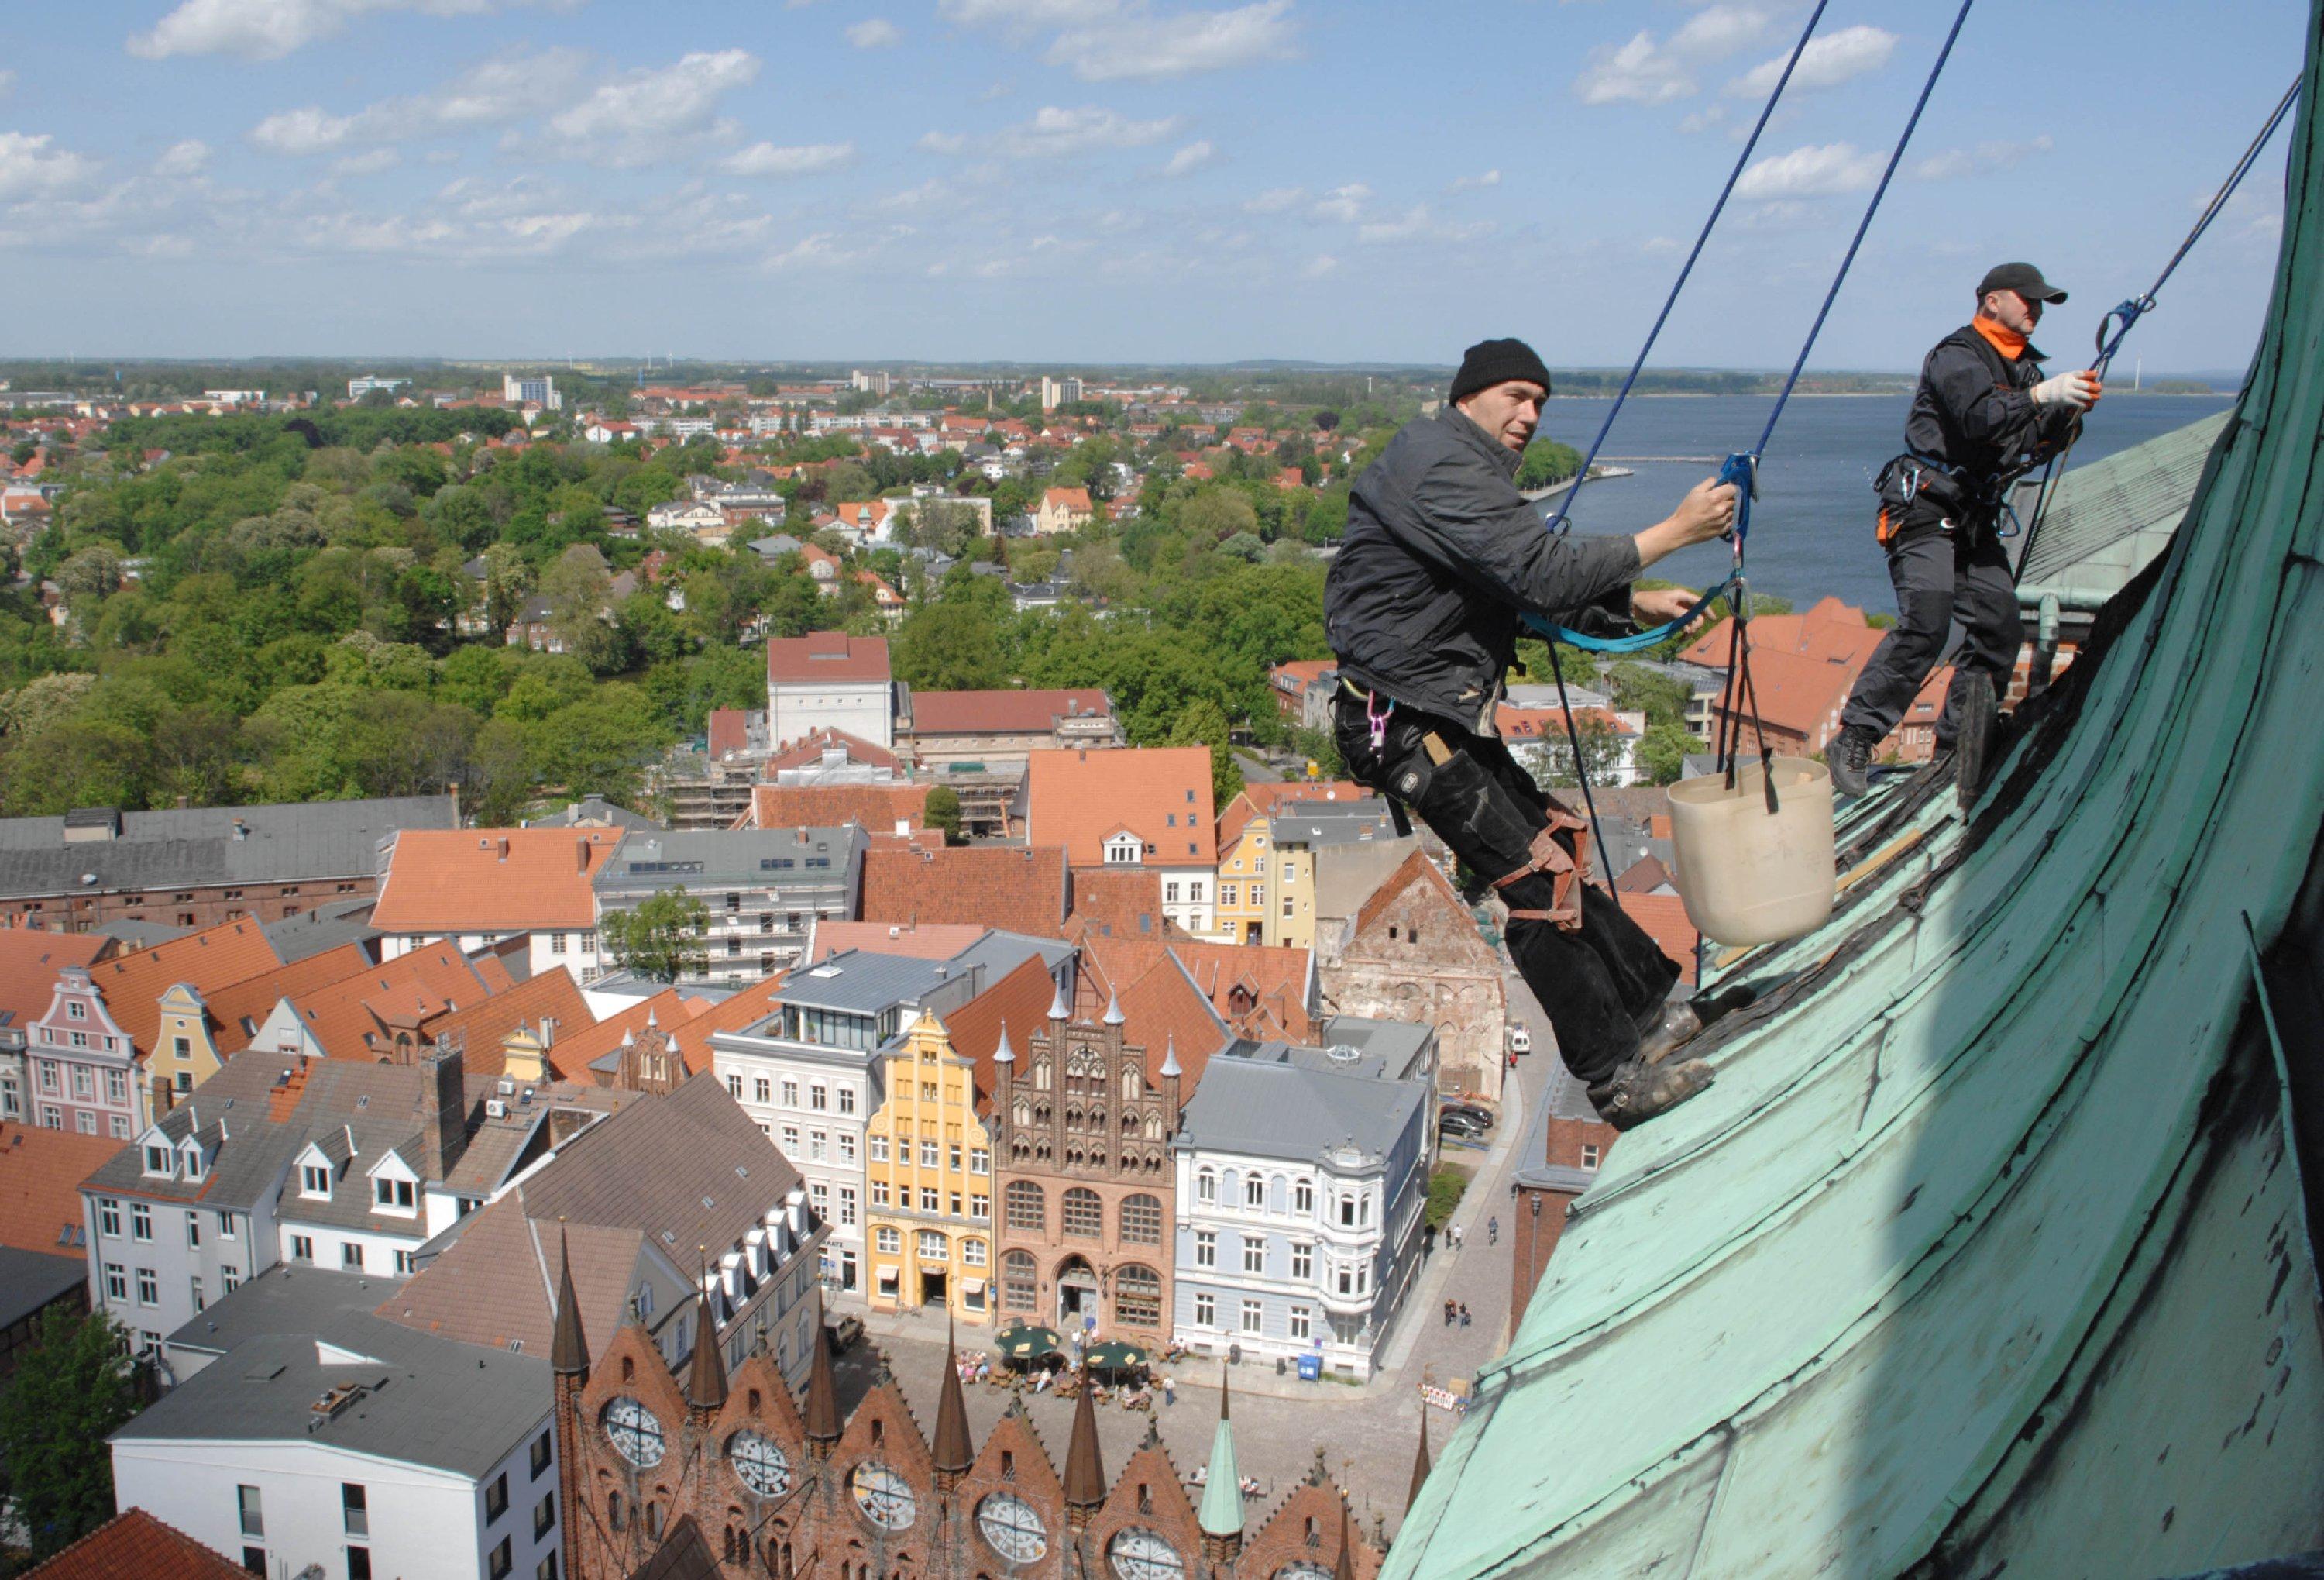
<point x="183" y="802"/>
<point x="452" y="789"/>
<point x="501" y="848"/>
<point x="444" y="1133"/>
<point x="581" y="855"/>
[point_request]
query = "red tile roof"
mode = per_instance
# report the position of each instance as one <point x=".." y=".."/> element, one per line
<point x="1258" y="989"/>
<point x="875" y="808"/>
<point x="482" y="1027"/>
<point x="30" y="959"/>
<point x="1829" y="629"/>
<point x="729" y="730"/>
<point x="1162" y="794"/>
<point x="1260" y="800"/>
<point x="135" y="1546"/>
<point x="40" y="1171"/>
<point x="360" y="1016"/>
<point x="492" y="880"/>
<point x="929" y="941"/>
<point x="745" y="1008"/>
<point x="1804" y="692"/>
<point x="1018" y="1003"/>
<point x="828" y="655"/>
<point x="1015" y="888"/>
<point x="213" y="959"/>
<point x="254" y="998"/>
<point x="570" y="1056"/>
<point x="809" y="749"/>
<point x="945" y="713"/>
<point x="1663" y="916"/>
<point x="1066" y="498"/>
<point x="1162" y="1009"/>
<point x="1122" y="902"/>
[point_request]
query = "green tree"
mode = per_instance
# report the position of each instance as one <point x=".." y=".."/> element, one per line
<point x="660" y="937"/>
<point x="944" y="812"/>
<point x="1547" y="461"/>
<point x="1204" y="724"/>
<point x="71" y="1390"/>
<point x="1663" y="751"/>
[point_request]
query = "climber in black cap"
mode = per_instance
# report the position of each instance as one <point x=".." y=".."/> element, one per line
<point x="1441" y="557"/>
<point x="1982" y="417"/>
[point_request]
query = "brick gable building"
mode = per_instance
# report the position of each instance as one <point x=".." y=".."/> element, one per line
<point x="1413" y="952"/>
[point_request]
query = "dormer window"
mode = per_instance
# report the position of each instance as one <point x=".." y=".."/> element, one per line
<point x="394" y="1195"/>
<point x="157" y="1160"/>
<point x="315" y="1180"/>
<point x="193" y="1163"/>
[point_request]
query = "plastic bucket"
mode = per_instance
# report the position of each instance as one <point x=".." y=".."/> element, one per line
<point x="1748" y="877"/>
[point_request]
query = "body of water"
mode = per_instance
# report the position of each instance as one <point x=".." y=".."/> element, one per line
<point x="1812" y="528"/>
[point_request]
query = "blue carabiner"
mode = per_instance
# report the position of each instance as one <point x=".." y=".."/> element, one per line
<point x="1742" y="469"/>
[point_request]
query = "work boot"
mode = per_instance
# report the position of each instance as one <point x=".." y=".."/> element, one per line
<point x="1850" y="759"/>
<point x="1637" y="1091"/>
<point x="1685" y="1019"/>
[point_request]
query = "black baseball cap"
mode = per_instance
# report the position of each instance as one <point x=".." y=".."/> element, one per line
<point x="2024" y="279"/>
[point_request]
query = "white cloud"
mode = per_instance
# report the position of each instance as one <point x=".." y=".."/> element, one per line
<point x="1319" y="266"/>
<point x="1343" y="203"/>
<point x="1409" y="227"/>
<point x="1054" y="132"/>
<point x="1137" y="46"/>
<point x="1703" y="119"/>
<point x="1275" y="201"/>
<point x="268" y="30"/>
<point x="941" y="142"/>
<point x="1646" y="70"/>
<point x="189" y="158"/>
<point x="766" y="159"/>
<point x="874" y="34"/>
<point x="1985" y="156"/>
<point x="301" y="132"/>
<point x="1193" y="157"/>
<point x="652" y="113"/>
<point x="502" y="89"/>
<point x="367" y="164"/>
<point x="1816" y="170"/>
<point x="1826" y="62"/>
<point x="1492" y="178"/>
<point x="29" y="166"/>
<point x="1026" y="15"/>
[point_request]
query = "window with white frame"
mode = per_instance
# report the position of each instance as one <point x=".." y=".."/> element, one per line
<point x="140" y="1221"/>
<point x="846" y="1146"/>
<point x="733" y="1085"/>
<point x="847" y="1204"/>
<point x="846" y="1099"/>
<point x="315" y="1180"/>
<point x="932" y="1246"/>
<point x="888" y="1240"/>
<point x="928" y="1155"/>
<point x="193" y="1231"/>
<point x="1302" y="1263"/>
<point x="109" y="1219"/>
<point x="790" y="1094"/>
<point x="1254" y="1192"/>
<point x="116" y="1281"/>
<point x="149" y="1287"/>
<point x="980" y="1162"/>
<point x="878" y="1145"/>
<point x="1206" y="1186"/>
<point x="1302" y="1196"/>
<point x="818" y="1097"/>
<point x="1254" y="1316"/>
<point x="1254" y="1254"/>
<point x="1206" y="1311"/>
<point x="1301" y="1322"/>
<point x="224" y="1224"/>
<point x="1206" y="1248"/>
<point x="762" y="1090"/>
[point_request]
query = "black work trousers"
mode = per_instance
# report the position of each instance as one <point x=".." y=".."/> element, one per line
<point x="1940" y="575"/>
<point x="1602" y="984"/>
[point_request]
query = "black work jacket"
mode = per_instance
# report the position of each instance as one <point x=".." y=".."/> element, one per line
<point x="1442" y="554"/>
<point x="1972" y="412"/>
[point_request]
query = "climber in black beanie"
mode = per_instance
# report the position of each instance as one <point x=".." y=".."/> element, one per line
<point x="1441" y="555"/>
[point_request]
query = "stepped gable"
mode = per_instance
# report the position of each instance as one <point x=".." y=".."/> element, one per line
<point x="1019" y="1004"/>
<point x="2003" y="1209"/>
<point x="1017" y="889"/>
<point x="575" y="1051"/>
<point x="1310" y="1526"/>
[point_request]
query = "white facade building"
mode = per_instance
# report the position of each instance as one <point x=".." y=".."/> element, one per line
<point x="830" y="680"/>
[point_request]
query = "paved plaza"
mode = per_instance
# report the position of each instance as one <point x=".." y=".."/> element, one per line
<point x="1367" y="1433"/>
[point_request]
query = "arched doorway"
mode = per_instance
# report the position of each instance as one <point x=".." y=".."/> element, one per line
<point x="1076" y="1292"/>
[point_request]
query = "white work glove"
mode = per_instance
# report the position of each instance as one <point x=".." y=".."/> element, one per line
<point x="2078" y="389"/>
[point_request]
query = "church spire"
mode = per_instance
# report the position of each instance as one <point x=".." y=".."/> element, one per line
<point x="568" y="1352"/>
<point x="821" y="1387"/>
<point x="1220" y="1514"/>
<point x="1084" y="1473"/>
<point x="1419" y="1463"/>
<point x="706" y="1378"/>
<point x="954" y="1454"/>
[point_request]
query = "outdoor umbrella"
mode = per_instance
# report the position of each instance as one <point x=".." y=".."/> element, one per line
<point x="1114" y="1357"/>
<point x="1026" y="1343"/>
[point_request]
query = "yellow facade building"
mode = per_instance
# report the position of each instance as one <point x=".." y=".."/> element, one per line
<point x="928" y="1172"/>
<point x="1244" y="885"/>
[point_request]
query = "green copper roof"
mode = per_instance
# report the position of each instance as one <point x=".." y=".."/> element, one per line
<point x="1221" y="1510"/>
<point x="2109" y="518"/>
<point x="1987" y="1252"/>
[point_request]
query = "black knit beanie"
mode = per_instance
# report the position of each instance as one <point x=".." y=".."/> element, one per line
<point x="1491" y="362"/>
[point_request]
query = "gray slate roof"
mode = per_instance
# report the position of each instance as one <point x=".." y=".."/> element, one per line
<point x="1396" y="1045"/>
<point x="29" y="1280"/>
<point x="196" y="848"/>
<point x="284" y="1299"/>
<point x="1274" y="1106"/>
<point x="727" y="857"/>
<point x="432" y="1401"/>
<point x="1330" y="822"/>
<point x="999" y="953"/>
<point x="324" y="928"/>
<point x="866" y="983"/>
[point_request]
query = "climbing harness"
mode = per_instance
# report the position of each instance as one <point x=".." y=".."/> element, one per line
<point x="1740" y="467"/>
<point x="2116" y="324"/>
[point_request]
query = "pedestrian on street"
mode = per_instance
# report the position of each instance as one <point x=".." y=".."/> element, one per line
<point x="1427" y="1241"/>
<point x="1464" y="1314"/>
<point x="1169" y="1392"/>
<point x="1442" y="557"/>
<point x="1982" y="417"/>
<point x="1451" y="1314"/>
<point x="1493" y="1230"/>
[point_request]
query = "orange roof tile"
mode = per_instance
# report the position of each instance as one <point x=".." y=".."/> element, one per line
<point x="810" y="747"/>
<point x="254" y="998"/>
<point x="1260" y="800"/>
<point x="358" y="1016"/>
<point x="485" y="880"/>
<point x="729" y="730"/>
<point x="570" y="1056"/>
<point x="1827" y="629"/>
<point x="1018" y="889"/>
<point x="135" y="1546"/>
<point x="747" y="1008"/>
<point x="1161" y="794"/>
<point x="1663" y="916"/>
<point x="213" y="959"/>
<point x="1161" y="1009"/>
<point x="30" y="959"/>
<point x="1804" y="692"/>
<point x="875" y="807"/>
<point x="551" y="997"/>
<point x="1018" y="1004"/>
<point x="929" y="941"/>
<point x="1118" y="902"/>
<point x="40" y="1171"/>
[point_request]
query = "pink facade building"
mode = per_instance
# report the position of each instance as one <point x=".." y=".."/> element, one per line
<point x="80" y="1066"/>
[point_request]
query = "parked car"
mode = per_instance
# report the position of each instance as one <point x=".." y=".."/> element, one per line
<point x="1458" y="1122"/>
<point x="1482" y="1116"/>
<point x="1521" y="1037"/>
<point x="845" y="1333"/>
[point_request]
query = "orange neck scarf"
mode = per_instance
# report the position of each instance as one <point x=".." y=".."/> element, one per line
<point x="2000" y="337"/>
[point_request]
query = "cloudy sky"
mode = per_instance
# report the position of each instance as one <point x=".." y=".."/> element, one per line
<point x="1107" y="180"/>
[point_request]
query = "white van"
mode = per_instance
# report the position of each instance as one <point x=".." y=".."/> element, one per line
<point x="1520" y="1039"/>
